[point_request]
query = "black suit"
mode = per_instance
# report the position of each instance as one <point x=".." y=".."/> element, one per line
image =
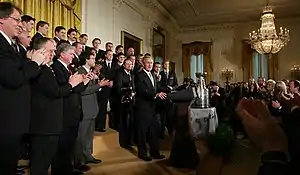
<point x="170" y="80"/>
<point x="46" y="119"/>
<point x="22" y="51"/>
<point x="15" y="76"/>
<point x="146" y="118"/>
<point x="168" y="109"/>
<point x="57" y="40"/>
<point x="124" y="115"/>
<point x="36" y="36"/>
<point x="72" y="114"/>
<point x="105" y="95"/>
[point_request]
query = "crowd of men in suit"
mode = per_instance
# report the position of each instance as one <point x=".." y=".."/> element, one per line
<point x="56" y="92"/>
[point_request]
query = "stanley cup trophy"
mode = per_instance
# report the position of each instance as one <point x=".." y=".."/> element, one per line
<point x="201" y="93"/>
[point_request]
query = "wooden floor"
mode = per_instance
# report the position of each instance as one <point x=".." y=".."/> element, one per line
<point x="245" y="160"/>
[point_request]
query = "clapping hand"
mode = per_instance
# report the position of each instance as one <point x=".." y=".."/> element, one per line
<point x="75" y="79"/>
<point x="87" y="78"/>
<point x="261" y="129"/>
<point x="103" y="83"/>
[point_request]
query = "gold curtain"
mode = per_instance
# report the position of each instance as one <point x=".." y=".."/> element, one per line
<point x="66" y="13"/>
<point x="197" y="48"/>
<point x="247" y="62"/>
<point x="273" y="67"/>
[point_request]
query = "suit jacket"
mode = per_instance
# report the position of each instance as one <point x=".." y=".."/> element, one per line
<point x="47" y="103"/>
<point x="72" y="112"/>
<point x="22" y="51"/>
<point x="76" y="63"/>
<point x="171" y="80"/>
<point x="89" y="98"/>
<point x="145" y="97"/>
<point x="15" y="76"/>
<point x="123" y="79"/>
<point x="137" y="68"/>
<point x="109" y="73"/>
<point x="36" y="36"/>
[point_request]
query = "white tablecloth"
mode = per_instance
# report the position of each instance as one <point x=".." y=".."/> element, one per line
<point x="203" y="121"/>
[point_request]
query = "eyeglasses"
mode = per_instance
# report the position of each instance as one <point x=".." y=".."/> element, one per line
<point x="18" y="20"/>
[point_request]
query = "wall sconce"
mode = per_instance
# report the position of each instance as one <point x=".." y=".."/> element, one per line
<point x="227" y="74"/>
<point x="295" y="72"/>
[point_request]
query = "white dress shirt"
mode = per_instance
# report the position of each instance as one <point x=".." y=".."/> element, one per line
<point x="150" y="77"/>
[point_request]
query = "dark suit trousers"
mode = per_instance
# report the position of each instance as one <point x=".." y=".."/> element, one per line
<point x="10" y="147"/>
<point x="43" y="149"/>
<point x="63" y="159"/>
<point x="126" y="131"/>
<point x="103" y="98"/>
<point x="168" y="116"/>
<point x="148" y="132"/>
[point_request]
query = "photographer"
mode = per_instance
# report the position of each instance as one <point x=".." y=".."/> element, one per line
<point x="124" y="87"/>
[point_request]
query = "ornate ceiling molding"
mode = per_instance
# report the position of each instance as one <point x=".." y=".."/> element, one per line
<point x="220" y="27"/>
<point x="118" y="3"/>
<point x="155" y="6"/>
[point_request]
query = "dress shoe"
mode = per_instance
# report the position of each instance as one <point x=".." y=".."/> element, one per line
<point x="159" y="156"/>
<point x="95" y="161"/>
<point x="145" y="158"/>
<point x="82" y="167"/>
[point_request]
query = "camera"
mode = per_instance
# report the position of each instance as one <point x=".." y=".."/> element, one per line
<point x="127" y="95"/>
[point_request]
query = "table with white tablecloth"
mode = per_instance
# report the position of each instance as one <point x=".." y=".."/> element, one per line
<point x="203" y="122"/>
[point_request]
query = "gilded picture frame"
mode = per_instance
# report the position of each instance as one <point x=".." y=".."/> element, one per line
<point x="129" y="40"/>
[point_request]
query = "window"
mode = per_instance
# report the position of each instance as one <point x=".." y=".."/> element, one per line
<point x="196" y="65"/>
<point x="158" y="59"/>
<point x="260" y="65"/>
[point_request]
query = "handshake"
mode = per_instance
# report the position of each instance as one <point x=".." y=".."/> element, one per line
<point x="76" y="79"/>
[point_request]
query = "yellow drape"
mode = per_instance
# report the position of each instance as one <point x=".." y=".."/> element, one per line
<point x="273" y="67"/>
<point x="197" y="48"/>
<point x="66" y="13"/>
<point x="248" y="63"/>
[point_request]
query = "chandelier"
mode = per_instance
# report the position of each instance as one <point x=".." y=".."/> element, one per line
<point x="266" y="40"/>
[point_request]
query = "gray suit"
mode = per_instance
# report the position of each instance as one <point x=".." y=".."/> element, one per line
<point x="84" y="144"/>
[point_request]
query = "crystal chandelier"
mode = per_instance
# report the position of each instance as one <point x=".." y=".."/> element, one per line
<point x="266" y="40"/>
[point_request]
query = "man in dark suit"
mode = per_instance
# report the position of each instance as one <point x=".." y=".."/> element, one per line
<point x="168" y="77"/>
<point x="23" y="41"/>
<point x="84" y="143"/>
<point x="15" y="76"/>
<point x="108" y="72"/>
<point x="168" y="83"/>
<point x="72" y="112"/>
<point x="47" y="111"/>
<point x="27" y="23"/>
<point x="83" y="38"/>
<point x="146" y="119"/>
<point x="60" y="34"/>
<point x="100" y="53"/>
<point x="42" y="28"/>
<point x="77" y="60"/>
<point x="123" y="82"/>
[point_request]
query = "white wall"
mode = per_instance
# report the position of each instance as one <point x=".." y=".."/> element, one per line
<point x="107" y="18"/>
<point x="227" y="48"/>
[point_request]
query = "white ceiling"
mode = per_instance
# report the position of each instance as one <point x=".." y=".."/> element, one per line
<point x="190" y="13"/>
